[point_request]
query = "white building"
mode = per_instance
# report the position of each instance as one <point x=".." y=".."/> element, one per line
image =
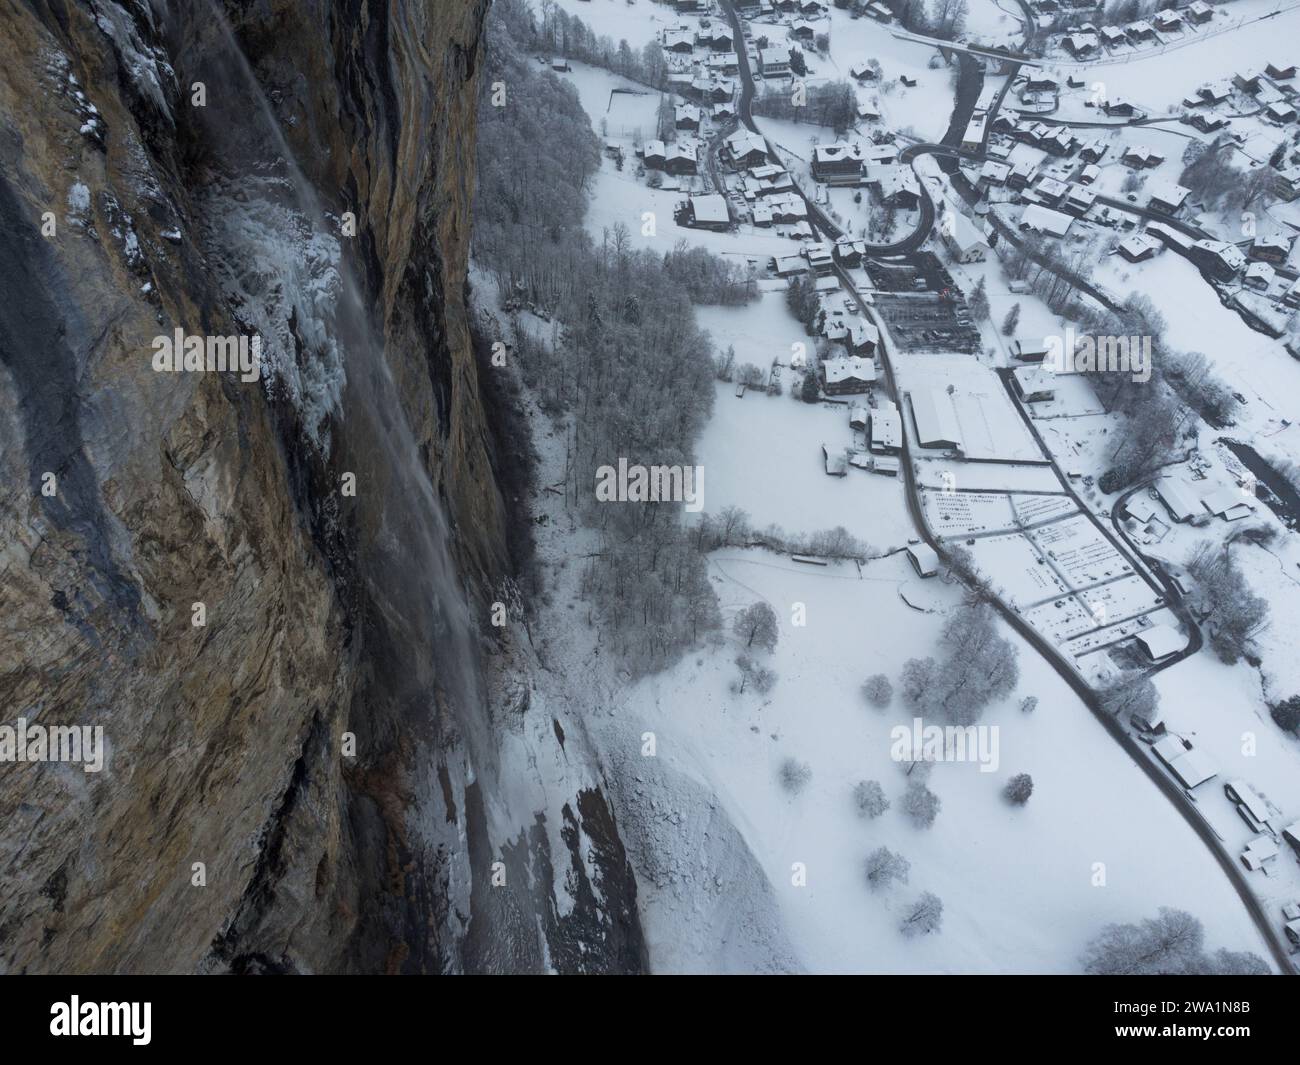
<point x="925" y="560"/>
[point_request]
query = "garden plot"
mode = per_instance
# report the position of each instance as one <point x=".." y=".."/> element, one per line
<point x="1032" y="510"/>
<point x="1060" y="619"/>
<point x="1079" y="552"/>
<point x="1086" y="648"/>
<point x="1016" y="569"/>
<point x="951" y="473"/>
<point x="1120" y="601"/>
<point x="967" y="513"/>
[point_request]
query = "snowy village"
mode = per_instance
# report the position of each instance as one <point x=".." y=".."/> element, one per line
<point x="1015" y="326"/>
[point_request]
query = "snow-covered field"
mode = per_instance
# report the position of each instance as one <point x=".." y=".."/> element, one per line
<point x="1019" y="886"/>
<point x="638" y="22"/>
<point x="763" y="454"/>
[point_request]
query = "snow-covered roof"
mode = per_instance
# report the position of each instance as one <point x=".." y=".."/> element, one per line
<point x="1034" y="380"/>
<point x="1177" y="496"/>
<point x="1259" y="850"/>
<point x="893" y="179"/>
<point x="818" y="253"/>
<point x="862" y="333"/>
<point x="744" y="141"/>
<point x="848" y="368"/>
<point x="1142" y="154"/>
<point x="886" y="427"/>
<point x="936" y="421"/>
<point x="1168" y="192"/>
<point x="1246" y="795"/>
<point x="1278" y="241"/>
<point x="1192" y="769"/>
<point x="710" y="208"/>
<point x="1138" y="245"/>
<point x="1226" y="502"/>
<point x="1260" y="272"/>
<point x="1169" y="749"/>
<point x="1232" y="256"/>
<point x="838" y="152"/>
<point x="1161" y="641"/>
<point x="1052" y="188"/>
<point x="1045" y="220"/>
<point x="925" y="558"/>
<point x="965" y="235"/>
<point x="995" y="171"/>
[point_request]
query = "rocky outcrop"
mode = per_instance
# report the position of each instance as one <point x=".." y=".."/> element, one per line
<point x="310" y="779"/>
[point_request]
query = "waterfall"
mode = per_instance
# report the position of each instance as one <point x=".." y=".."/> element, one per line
<point x="286" y="272"/>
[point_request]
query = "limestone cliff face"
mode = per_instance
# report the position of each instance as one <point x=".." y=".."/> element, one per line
<point x="303" y="171"/>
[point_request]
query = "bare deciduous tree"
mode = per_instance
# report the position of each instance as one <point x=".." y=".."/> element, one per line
<point x="878" y="691"/>
<point x="924" y="916"/>
<point x="795" y="775"/>
<point x="1171" y="943"/>
<point x="884" y="868"/>
<point x="1019" y="788"/>
<point x="869" y="797"/>
<point x="921" y="804"/>
<point x="756" y="624"/>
